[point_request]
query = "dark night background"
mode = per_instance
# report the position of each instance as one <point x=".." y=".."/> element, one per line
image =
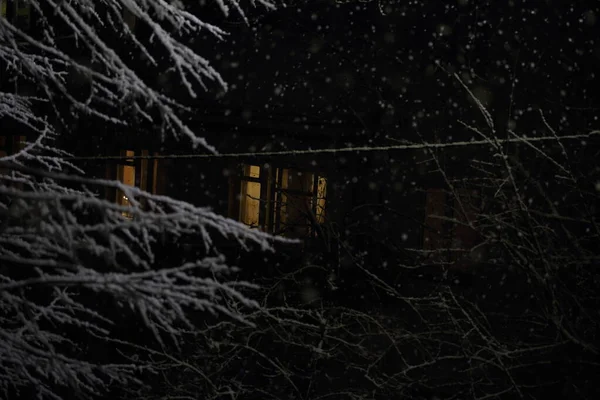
<point x="385" y="306"/>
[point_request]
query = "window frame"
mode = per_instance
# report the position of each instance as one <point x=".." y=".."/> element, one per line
<point x="245" y="179"/>
<point x="272" y="191"/>
<point x="148" y="174"/>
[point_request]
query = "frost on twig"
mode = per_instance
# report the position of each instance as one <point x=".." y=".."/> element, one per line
<point x="533" y="273"/>
<point x="512" y="314"/>
<point x="72" y="264"/>
<point x="75" y="267"/>
<point x="50" y="57"/>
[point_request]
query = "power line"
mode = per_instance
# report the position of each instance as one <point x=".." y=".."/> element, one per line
<point x="358" y="149"/>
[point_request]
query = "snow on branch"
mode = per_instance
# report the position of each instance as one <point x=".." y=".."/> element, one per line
<point x="74" y="266"/>
<point x="65" y="29"/>
<point x="63" y="248"/>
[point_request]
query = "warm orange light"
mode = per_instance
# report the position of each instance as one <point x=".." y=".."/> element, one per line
<point x="250" y="197"/>
<point x="126" y="175"/>
<point x="321" y="194"/>
<point x="250" y="203"/>
<point x="299" y="200"/>
<point x="252" y="171"/>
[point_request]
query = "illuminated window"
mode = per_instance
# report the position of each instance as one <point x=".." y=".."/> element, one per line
<point x="299" y="202"/>
<point x="320" y="199"/>
<point x="3" y="9"/>
<point x="145" y="173"/>
<point x="126" y="174"/>
<point x="284" y="201"/>
<point x="250" y="196"/>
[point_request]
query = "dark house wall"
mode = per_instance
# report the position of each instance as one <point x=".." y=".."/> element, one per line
<point x="324" y="75"/>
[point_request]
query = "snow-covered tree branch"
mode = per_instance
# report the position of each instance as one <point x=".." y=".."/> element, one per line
<point x="452" y="243"/>
<point x="63" y="249"/>
<point x="74" y="265"/>
<point x="112" y="83"/>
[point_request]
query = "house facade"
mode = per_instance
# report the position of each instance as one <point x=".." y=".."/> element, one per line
<point x="389" y="203"/>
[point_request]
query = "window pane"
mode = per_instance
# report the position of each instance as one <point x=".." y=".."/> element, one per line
<point x="252" y="171"/>
<point x="129" y="175"/>
<point x="295" y="200"/>
<point x="321" y="194"/>
<point x="250" y="203"/>
<point x="284" y="178"/>
<point x="126" y="175"/>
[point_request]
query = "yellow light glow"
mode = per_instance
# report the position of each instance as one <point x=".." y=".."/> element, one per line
<point x="126" y="175"/>
<point x="252" y="171"/>
<point x="321" y="194"/>
<point x="298" y="202"/>
<point x="250" y="203"/>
